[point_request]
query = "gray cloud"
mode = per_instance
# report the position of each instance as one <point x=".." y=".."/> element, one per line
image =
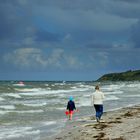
<point x="135" y="34"/>
<point x="13" y="25"/>
<point x="129" y="1"/>
<point x="123" y="8"/>
<point x="19" y="19"/>
<point x="46" y="36"/>
<point x="69" y="35"/>
<point x="29" y="58"/>
<point x="17" y="23"/>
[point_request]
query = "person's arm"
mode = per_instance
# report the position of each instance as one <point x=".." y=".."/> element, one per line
<point x="68" y="106"/>
<point x="74" y="106"/>
<point x="103" y="96"/>
<point x="92" y="100"/>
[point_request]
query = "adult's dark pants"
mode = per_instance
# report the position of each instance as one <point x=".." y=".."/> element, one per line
<point x="99" y="110"/>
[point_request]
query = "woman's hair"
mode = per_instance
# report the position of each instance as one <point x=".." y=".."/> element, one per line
<point x="97" y="87"/>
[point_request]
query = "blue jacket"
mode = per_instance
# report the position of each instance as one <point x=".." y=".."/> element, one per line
<point x="71" y="105"/>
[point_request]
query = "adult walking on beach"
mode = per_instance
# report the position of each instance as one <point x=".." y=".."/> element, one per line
<point x="97" y="101"/>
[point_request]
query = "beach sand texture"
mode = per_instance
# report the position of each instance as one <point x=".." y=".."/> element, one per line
<point x="123" y="124"/>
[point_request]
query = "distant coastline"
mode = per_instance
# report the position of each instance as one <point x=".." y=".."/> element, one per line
<point x="122" y="76"/>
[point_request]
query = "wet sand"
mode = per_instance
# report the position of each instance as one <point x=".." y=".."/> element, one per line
<point x="123" y="124"/>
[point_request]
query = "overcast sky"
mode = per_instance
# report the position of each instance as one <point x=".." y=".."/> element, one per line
<point x="68" y="39"/>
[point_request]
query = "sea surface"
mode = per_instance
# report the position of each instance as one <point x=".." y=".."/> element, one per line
<point x="35" y="110"/>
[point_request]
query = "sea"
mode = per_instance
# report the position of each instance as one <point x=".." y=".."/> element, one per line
<point x="36" y="110"/>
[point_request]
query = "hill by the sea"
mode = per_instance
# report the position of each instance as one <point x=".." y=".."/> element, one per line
<point x="123" y="76"/>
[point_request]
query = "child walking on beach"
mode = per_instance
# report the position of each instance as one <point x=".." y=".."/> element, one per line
<point x="71" y="107"/>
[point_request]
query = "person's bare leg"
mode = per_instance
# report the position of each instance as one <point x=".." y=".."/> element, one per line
<point x="70" y="116"/>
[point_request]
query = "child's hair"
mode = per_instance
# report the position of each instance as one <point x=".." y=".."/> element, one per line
<point x="70" y="98"/>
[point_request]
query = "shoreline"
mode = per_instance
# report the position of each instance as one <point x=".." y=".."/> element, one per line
<point x="121" y="124"/>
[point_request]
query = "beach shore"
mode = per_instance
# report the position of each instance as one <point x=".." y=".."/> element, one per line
<point x="122" y="124"/>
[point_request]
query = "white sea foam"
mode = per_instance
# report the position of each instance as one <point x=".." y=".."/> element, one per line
<point x="40" y="93"/>
<point x="35" y="104"/>
<point x="30" y="111"/>
<point x="9" y="107"/>
<point x="74" y="87"/>
<point x="2" y="112"/>
<point x="1" y="99"/>
<point x="17" y="132"/>
<point x="86" y="86"/>
<point x="87" y="95"/>
<point x="29" y="89"/>
<point x="111" y="98"/>
<point x="13" y="95"/>
<point x="134" y="85"/>
<point x="113" y="92"/>
<point x="84" y="102"/>
<point x="49" y="122"/>
<point x="61" y="108"/>
<point x="46" y="92"/>
<point x="132" y="96"/>
<point x="20" y="85"/>
<point x="111" y="87"/>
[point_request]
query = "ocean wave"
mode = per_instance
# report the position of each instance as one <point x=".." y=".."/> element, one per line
<point x="1" y="99"/>
<point x="111" y="98"/>
<point x="2" y="112"/>
<point x="17" y="132"/>
<point x="9" y="107"/>
<point x="13" y="95"/>
<point x="35" y="104"/>
<point x="132" y="96"/>
<point x="19" y="85"/>
<point x="84" y="102"/>
<point x="112" y="87"/>
<point x="29" y="89"/>
<point x="49" y="122"/>
<point x="134" y="85"/>
<point x="61" y="108"/>
<point x="29" y="111"/>
<point x="46" y="92"/>
<point x="114" y="92"/>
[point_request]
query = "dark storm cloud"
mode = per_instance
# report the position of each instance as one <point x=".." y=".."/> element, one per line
<point x="7" y="20"/>
<point x="17" y="23"/>
<point x="129" y="1"/>
<point x="135" y="36"/>
<point x="18" y="16"/>
<point x="81" y="34"/>
<point x="46" y="36"/>
<point x="105" y="17"/>
<point x="73" y="4"/>
<point x="130" y="9"/>
<point x="98" y="45"/>
<point x="14" y="21"/>
<point x="124" y="9"/>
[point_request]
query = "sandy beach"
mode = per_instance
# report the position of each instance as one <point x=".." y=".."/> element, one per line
<point x="122" y="124"/>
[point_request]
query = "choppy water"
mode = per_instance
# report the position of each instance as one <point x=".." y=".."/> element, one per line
<point x="36" y="109"/>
